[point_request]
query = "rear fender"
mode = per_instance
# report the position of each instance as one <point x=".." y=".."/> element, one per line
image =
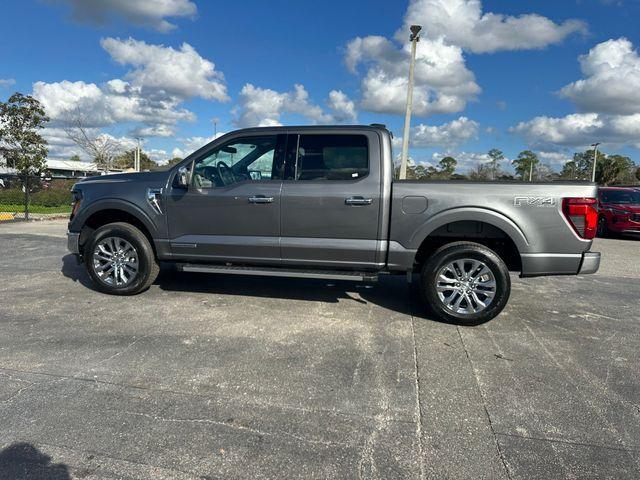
<point x="475" y="214"/>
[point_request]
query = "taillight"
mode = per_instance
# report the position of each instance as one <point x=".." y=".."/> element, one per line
<point x="582" y="214"/>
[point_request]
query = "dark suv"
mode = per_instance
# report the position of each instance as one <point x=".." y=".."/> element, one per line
<point x="619" y="210"/>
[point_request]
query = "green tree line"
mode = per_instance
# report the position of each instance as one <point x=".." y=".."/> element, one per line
<point x="610" y="169"/>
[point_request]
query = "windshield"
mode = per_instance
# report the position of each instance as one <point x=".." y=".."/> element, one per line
<point x="626" y="197"/>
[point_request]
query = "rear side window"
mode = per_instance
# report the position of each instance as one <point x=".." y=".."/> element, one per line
<point x="331" y="157"/>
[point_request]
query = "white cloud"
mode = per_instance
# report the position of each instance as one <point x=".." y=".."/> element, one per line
<point x="148" y="99"/>
<point x="463" y="23"/>
<point x="151" y="13"/>
<point x="443" y="84"/>
<point x="344" y="110"/>
<point x="411" y="161"/>
<point x="114" y="102"/>
<point x="6" y="82"/>
<point x="263" y="107"/>
<point x="580" y="130"/>
<point x="612" y="83"/>
<point x="554" y="158"/>
<point x="191" y="144"/>
<point x="466" y="160"/>
<point x="63" y="148"/>
<point x="157" y="155"/>
<point x="182" y="73"/>
<point x="60" y="146"/>
<point x="446" y="135"/>
<point x="608" y="99"/>
<point x="153" y="131"/>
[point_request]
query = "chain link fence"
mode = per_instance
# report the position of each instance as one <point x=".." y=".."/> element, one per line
<point x="34" y="198"/>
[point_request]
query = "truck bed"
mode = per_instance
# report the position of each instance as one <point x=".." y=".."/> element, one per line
<point x="529" y="214"/>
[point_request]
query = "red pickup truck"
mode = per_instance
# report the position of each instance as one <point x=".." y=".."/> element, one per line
<point x="619" y="210"/>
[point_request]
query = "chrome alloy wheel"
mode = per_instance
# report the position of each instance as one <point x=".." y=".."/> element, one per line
<point x="466" y="286"/>
<point x="115" y="261"/>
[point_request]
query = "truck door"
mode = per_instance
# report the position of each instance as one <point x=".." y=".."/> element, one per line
<point x="331" y="199"/>
<point x="231" y="210"/>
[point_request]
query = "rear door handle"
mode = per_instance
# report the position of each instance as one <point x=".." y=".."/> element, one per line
<point x="358" y="201"/>
<point x="260" y="199"/>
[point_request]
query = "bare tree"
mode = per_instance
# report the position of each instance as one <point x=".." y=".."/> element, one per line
<point x="101" y="147"/>
<point x="482" y="173"/>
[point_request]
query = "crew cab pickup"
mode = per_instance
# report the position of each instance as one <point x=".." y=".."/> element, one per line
<point x="322" y="202"/>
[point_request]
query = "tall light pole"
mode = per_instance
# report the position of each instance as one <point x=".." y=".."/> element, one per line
<point x="136" y="156"/>
<point x="215" y="121"/>
<point x="415" y="38"/>
<point x="595" y="160"/>
<point x="531" y="171"/>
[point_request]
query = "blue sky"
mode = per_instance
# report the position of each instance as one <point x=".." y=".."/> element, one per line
<point x="553" y="76"/>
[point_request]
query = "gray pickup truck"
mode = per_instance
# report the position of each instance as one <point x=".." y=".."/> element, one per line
<point x="322" y="202"/>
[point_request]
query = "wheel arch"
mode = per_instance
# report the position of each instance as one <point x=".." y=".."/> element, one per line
<point x="110" y="211"/>
<point x="483" y="226"/>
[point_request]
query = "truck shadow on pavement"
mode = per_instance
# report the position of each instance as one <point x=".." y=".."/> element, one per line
<point x="23" y="461"/>
<point x="391" y="291"/>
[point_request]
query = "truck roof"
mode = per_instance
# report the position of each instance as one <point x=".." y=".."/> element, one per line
<point x="373" y="127"/>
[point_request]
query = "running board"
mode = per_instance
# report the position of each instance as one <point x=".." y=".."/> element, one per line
<point x="282" y="272"/>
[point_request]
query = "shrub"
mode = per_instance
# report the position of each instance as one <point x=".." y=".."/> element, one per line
<point x="51" y="198"/>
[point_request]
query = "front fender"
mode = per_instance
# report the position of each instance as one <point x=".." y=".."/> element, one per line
<point x="113" y="204"/>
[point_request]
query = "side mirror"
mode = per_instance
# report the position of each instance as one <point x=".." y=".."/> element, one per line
<point x="182" y="177"/>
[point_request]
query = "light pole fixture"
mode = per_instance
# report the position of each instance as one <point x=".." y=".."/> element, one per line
<point x="414" y="38"/>
<point x="595" y="160"/>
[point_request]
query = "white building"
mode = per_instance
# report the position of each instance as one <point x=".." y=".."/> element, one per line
<point x="70" y="168"/>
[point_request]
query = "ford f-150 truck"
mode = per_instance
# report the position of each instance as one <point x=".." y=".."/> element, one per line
<point x="322" y="202"/>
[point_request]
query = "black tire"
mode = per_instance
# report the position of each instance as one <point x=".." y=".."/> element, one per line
<point x="444" y="257"/>
<point x="603" y="229"/>
<point x="147" y="265"/>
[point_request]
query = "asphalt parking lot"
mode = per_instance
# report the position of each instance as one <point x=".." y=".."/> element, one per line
<point x="207" y="377"/>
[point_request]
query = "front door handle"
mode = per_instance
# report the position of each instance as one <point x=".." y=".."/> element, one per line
<point x="260" y="199"/>
<point x="358" y="201"/>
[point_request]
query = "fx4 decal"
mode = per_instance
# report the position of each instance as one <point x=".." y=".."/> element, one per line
<point x="534" y="201"/>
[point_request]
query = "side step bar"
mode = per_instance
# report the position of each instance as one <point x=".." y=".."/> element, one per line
<point x="282" y="272"/>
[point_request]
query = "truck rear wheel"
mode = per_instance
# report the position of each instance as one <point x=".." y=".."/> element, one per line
<point x="465" y="283"/>
<point x="120" y="260"/>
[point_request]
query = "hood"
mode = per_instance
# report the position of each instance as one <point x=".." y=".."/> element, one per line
<point x="124" y="177"/>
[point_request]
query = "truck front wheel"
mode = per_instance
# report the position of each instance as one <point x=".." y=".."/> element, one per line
<point x="465" y="283"/>
<point x="120" y="260"/>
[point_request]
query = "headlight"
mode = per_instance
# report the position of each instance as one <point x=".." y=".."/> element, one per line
<point x="75" y="204"/>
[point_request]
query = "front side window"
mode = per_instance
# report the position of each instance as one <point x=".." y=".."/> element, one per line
<point x="242" y="159"/>
<point x="331" y="157"/>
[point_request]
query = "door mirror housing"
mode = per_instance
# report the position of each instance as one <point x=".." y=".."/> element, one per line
<point x="182" y="178"/>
